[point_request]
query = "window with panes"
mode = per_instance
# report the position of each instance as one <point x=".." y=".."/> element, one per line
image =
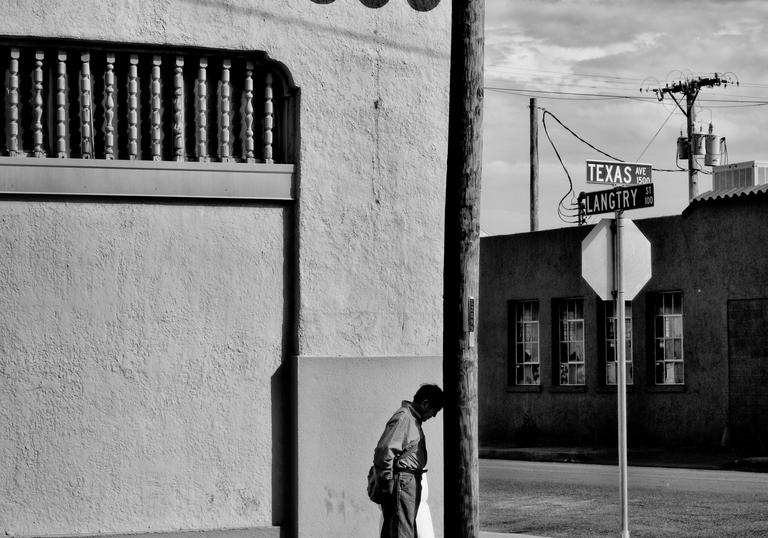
<point x="527" y="368"/>
<point x="611" y="343"/>
<point x="668" y="338"/>
<point x="571" y="342"/>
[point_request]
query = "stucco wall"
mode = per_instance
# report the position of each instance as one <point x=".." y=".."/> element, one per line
<point x="139" y="344"/>
<point x="374" y="100"/>
<point x="713" y="253"/>
<point x="188" y="442"/>
<point x="373" y="181"/>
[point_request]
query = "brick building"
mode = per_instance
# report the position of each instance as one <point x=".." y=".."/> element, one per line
<point x="697" y="350"/>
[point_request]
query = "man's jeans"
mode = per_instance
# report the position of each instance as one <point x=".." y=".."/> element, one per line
<point x="400" y="509"/>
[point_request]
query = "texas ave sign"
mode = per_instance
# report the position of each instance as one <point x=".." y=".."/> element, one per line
<point x="618" y="173"/>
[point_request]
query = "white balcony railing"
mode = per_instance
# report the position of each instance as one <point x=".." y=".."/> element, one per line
<point x="75" y="100"/>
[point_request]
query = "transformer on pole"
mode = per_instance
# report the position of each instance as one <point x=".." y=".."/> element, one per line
<point x="695" y="142"/>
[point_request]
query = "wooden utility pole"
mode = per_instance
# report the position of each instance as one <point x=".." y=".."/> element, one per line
<point x="534" y="165"/>
<point x="693" y="173"/>
<point x="461" y="270"/>
<point x="690" y="88"/>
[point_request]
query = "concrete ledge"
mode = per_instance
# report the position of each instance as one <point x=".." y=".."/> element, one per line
<point x="255" y="532"/>
<point x="165" y="179"/>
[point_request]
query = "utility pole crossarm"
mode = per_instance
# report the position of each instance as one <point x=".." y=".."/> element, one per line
<point x="684" y="111"/>
<point x="690" y="89"/>
<point x="692" y="86"/>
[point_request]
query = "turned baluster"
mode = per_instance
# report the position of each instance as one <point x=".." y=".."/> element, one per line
<point x="37" y="105"/>
<point x="201" y="112"/>
<point x="109" y="108"/>
<point x="178" y="110"/>
<point x="86" y="107"/>
<point x="225" y="107"/>
<point x="13" y="105"/>
<point x="247" y="115"/>
<point x="61" y="106"/>
<point x="268" y="119"/>
<point x="156" y="118"/>
<point x="133" y="108"/>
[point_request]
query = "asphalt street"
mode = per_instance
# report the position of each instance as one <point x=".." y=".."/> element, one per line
<point x="671" y="479"/>
<point x="559" y="499"/>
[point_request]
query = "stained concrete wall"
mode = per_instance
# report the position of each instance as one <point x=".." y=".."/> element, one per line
<point x="350" y="400"/>
<point x="713" y="253"/>
<point x="144" y="343"/>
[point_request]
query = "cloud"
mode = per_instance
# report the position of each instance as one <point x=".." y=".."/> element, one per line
<point x="562" y="34"/>
<point x="615" y="48"/>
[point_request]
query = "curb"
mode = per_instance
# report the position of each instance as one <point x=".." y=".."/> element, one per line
<point x="645" y="458"/>
<point x="488" y="534"/>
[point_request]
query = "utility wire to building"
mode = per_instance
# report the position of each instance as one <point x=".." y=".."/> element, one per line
<point x="568" y="210"/>
<point x="567" y="213"/>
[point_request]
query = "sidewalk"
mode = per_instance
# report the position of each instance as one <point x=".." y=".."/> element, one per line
<point x="688" y="457"/>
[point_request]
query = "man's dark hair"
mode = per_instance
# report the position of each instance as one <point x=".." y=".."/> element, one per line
<point x="432" y="393"/>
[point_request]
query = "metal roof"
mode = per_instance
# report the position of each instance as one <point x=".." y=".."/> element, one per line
<point x="736" y="192"/>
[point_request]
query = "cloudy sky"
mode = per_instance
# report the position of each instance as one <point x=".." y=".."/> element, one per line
<point x="585" y="62"/>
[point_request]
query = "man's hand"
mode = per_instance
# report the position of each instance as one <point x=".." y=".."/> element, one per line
<point x="390" y="486"/>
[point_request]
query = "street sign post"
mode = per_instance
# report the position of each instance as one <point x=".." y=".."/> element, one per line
<point x="621" y="384"/>
<point x="616" y="262"/>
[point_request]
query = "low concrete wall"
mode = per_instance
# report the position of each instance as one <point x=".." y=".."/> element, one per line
<point x="343" y="404"/>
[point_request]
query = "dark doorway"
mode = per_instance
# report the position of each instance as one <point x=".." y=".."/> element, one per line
<point x="748" y="373"/>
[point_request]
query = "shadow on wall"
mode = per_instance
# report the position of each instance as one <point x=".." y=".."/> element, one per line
<point x="418" y="5"/>
<point x="317" y="28"/>
<point x="283" y="469"/>
<point x="283" y="397"/>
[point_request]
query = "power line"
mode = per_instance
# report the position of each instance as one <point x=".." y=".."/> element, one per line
<point x="582" y="94"/>
<point x="527" y="74"/>
<point x="527" y="92"/>
<point x="654" y="136"/>
<point x="554" y="98"/>
<point x="564" y="83"/>
<point x="547" y="112"/>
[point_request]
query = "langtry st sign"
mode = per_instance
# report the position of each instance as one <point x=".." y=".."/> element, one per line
<point x="618" y="173"/>
<point x="617" y="199"/>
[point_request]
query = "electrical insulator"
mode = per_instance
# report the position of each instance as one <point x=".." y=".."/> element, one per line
<point x="682" y="147"/>
<point x="712" y="157"/>
<point x="699" y="143"/>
